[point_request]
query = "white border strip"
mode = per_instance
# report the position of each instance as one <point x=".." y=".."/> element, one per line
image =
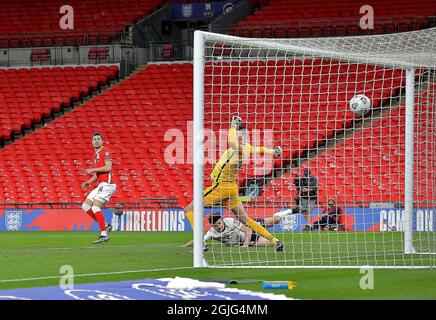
<point x="95" y="247"/>
<point x="95" y="274"/>
<point x="322" y="267"/>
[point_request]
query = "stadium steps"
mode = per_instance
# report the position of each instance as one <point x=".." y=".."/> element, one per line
<point x="137" y="70"/>
<point x="321" y="147"/>
<point x="339" y="136"/>
<point x="367" y="164"/>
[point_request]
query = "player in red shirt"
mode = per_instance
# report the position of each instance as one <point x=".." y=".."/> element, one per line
<point x="102" y="173"/>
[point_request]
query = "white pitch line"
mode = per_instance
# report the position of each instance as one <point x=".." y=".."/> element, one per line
<point x="95" y="274"/>
<point x="97" y="247"/>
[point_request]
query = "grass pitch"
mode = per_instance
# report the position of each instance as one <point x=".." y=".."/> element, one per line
<point x="31" y="259"/>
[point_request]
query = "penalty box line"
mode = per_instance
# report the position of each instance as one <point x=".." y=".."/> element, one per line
<point x="95" y="274"/>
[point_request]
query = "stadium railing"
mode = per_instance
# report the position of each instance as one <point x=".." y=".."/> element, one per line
<point x="182" y="50"/>
<point x="76" y="37"/>
<point x="323" y="27"/>
<point x="169" y="50"/>
<point x="70" y="47"/>
<point x="45" y="56"/>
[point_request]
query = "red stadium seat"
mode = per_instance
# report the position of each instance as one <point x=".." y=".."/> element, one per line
<point x="293" y="32"/>
<point x="390" y="28"/>
<point x="354" y="30"/>
<point x="245" y="32"/>
<point x="328" y="31"/>
<point x="280" y="32"/>
<point x="257" y="33"/>
<point x="305" y="32"/>
<point x="379" y="28"/>
<point x="403" y="27"/>
<point x="268" y="32"/>
<point x="340" y="30"/>
<point x="315" y="31"/>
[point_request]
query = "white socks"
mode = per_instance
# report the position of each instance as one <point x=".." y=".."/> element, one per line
<point x="104" y="233"/>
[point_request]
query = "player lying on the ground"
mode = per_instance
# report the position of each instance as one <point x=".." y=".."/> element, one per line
<point x="96" y="199"/>
<point x="224" y="188"/>
<point x="231" y="232"/>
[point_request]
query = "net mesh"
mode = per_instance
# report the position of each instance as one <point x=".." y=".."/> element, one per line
<point x="295" y="93"/>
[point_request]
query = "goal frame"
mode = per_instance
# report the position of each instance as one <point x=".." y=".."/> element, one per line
<point x="198" y="138"/>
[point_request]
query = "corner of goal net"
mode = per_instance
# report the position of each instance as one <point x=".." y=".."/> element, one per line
<point x="410" y="250"/>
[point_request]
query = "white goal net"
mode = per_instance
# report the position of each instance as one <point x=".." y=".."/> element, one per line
<point x="349" y="187"/>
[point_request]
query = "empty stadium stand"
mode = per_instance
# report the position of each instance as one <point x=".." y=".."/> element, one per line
<point x="141" y="116"/>
<point x="29" y="96"/>
<point x="282" y="18"/>
<point x="36" y="23"/>
<point x="369" y="166"/>
<point x="48" y="165"/>
<point x="311" y="96"/>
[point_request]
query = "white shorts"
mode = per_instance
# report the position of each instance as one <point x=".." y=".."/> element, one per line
<point x="103" y="192"/>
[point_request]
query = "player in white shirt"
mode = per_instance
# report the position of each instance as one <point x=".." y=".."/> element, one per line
<point x="231" y="232"/>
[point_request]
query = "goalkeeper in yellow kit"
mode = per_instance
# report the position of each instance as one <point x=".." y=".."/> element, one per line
<point x="224" y="189"/>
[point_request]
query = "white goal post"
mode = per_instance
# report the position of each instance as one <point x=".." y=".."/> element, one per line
<point x="379" y="168"/>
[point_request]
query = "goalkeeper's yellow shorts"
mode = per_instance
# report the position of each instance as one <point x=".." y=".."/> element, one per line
<point x="222" y="194"/>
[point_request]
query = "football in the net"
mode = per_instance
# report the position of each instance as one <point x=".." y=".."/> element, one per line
<point x="360" y="104"/>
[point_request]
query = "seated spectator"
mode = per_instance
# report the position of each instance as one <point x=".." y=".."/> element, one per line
<point x="329" y="220"/>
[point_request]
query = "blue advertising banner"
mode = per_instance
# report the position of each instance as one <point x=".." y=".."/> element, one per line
<point x="174" y="219"/>
<point x="354" y="219"/>
<point x="162" y="219"/>
<point x="201" y="11"/>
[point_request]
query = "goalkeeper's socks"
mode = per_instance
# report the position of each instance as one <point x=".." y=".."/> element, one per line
<point x="190" y="216"/>
<point x="256" y="227"/>
<point x="100" y="220"/>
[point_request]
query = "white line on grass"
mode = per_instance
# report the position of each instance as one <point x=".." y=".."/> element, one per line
<point x="96" y="274"/>
<point x="97" y="247"/>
